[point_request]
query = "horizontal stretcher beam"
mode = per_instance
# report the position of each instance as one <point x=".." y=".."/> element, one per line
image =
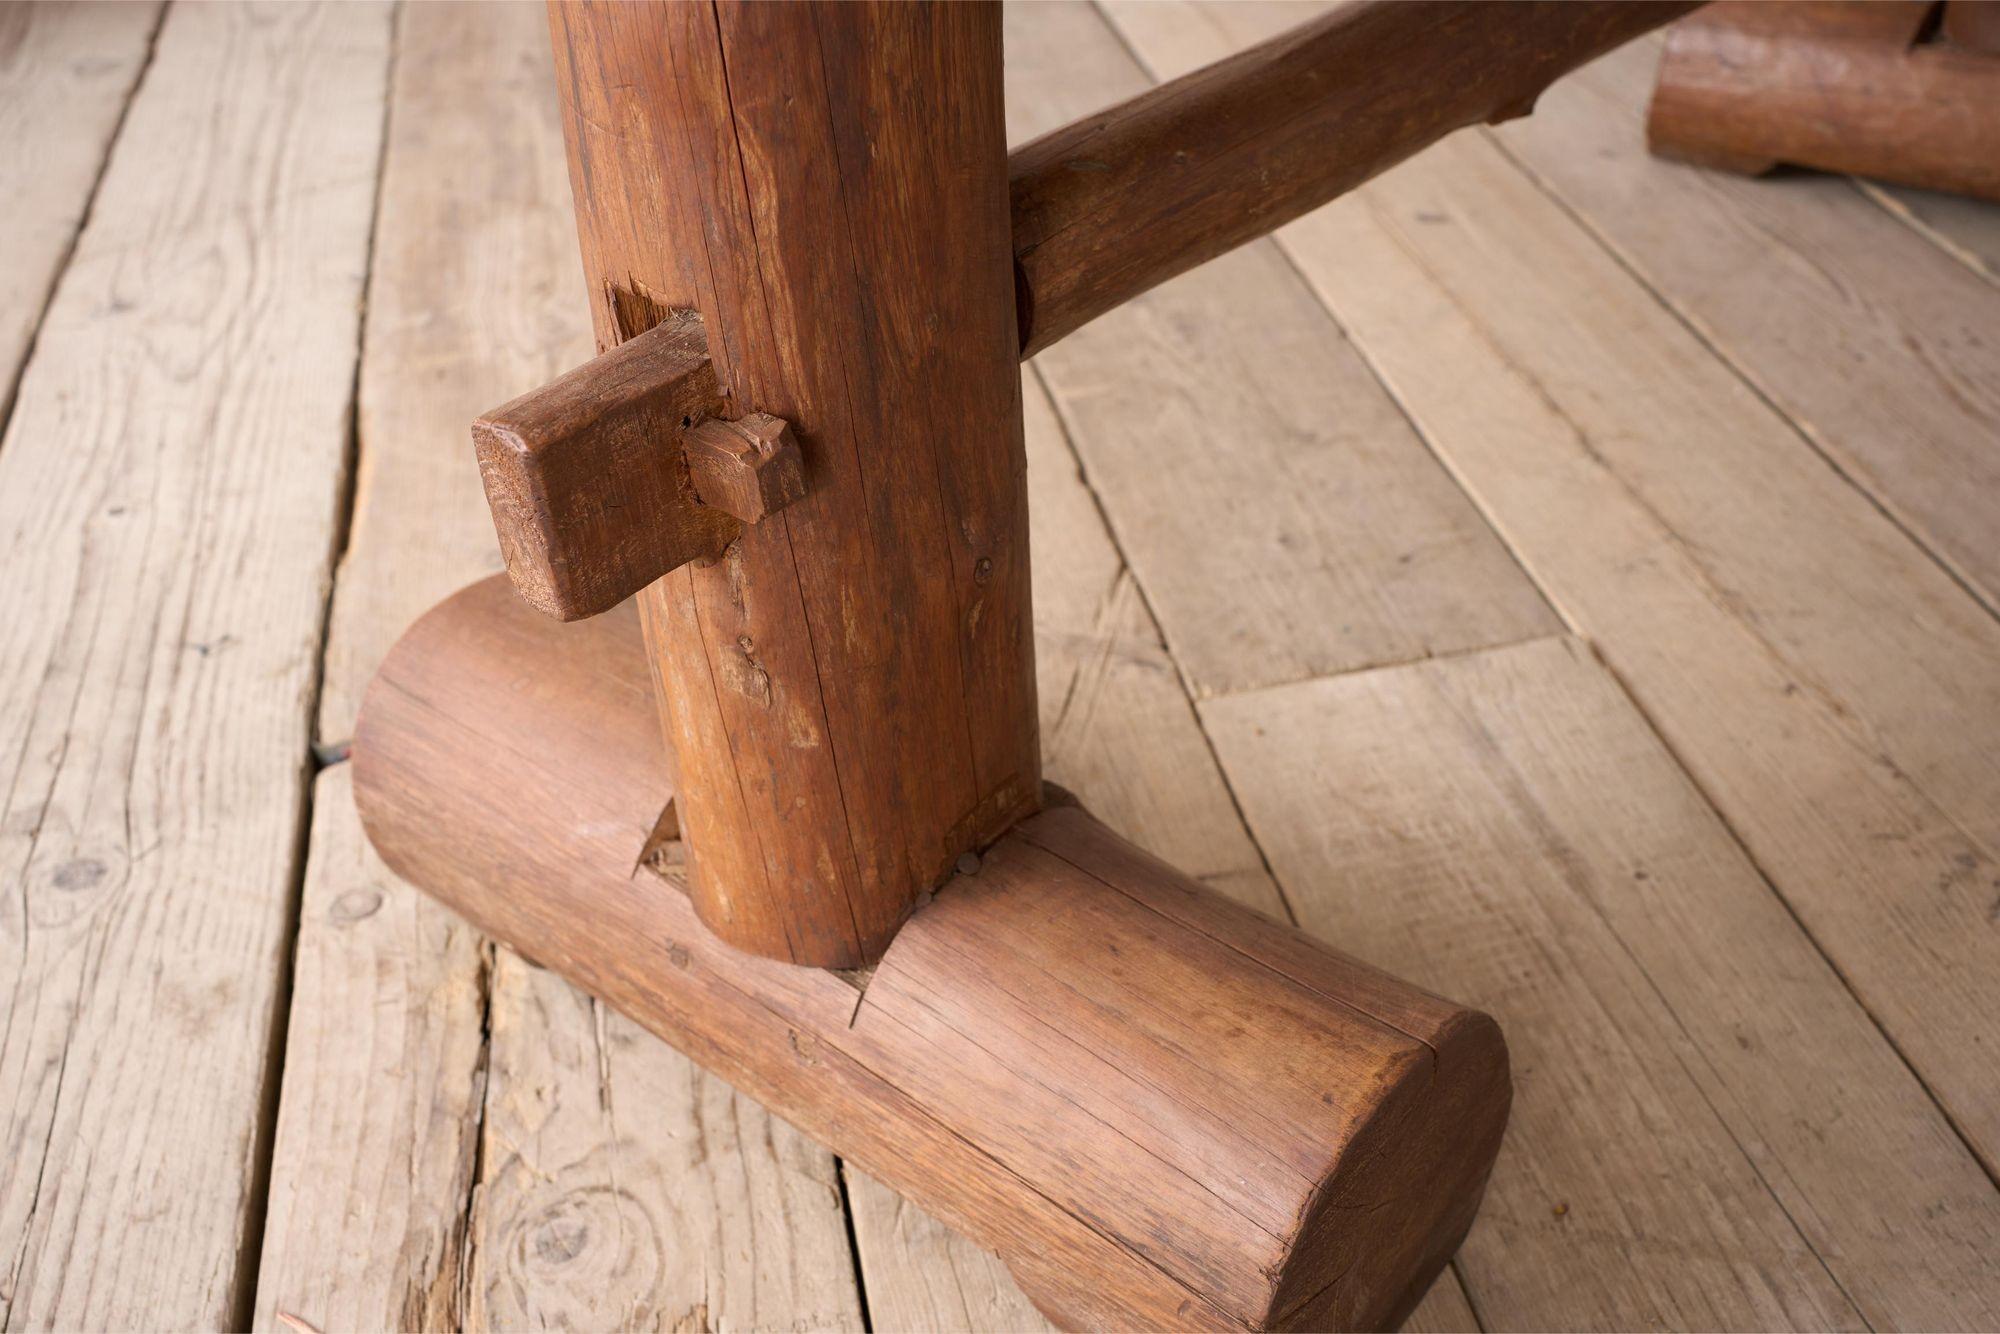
<point x="1123" y="200"/>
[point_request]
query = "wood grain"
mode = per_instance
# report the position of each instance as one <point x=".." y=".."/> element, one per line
<point x="1966" y="229"/>
<point x="1119" y="201"/>
<point x="589" y="1217"/>
<point x="1613" y="566"/>
<point x="1444" y="1309"/>
<point x="1113" y="658"/>
<point x="923" y="1276"/>
<point x="1282" y="516"/>
<point x="1183" y="825"/>
<point x="1972" y="24"/>
<point x="169" y="496"/>
<point x="377" y="1150"/>
<point x="589" y="493"/>
<point x="460" y="300"/>
<point x="1704" y="1107"/>
<point x="850" y="691"/>
<point x="466" y="304"/>
<point x="588" y="476"/>
<point x="1295" y="1085"/>
<point x="1873" y="341"/>
<point x="1825" y="682"/>
<point x="66" y="74"/>
<point x="472" y="298"/>
<point x="1116" y="724"/>
<point x="749" y="467"/>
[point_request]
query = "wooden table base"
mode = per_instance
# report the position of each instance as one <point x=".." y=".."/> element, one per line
<point x="1161" y="1109"/>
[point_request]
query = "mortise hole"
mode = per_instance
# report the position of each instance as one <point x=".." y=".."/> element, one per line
<point x="634" y="310"/>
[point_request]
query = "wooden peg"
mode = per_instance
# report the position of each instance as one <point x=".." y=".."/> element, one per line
<point x="623" y="469"/>
<point x="751" y="468"/>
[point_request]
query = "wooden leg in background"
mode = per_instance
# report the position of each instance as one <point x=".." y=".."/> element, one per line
<point x="1858" y="86"/>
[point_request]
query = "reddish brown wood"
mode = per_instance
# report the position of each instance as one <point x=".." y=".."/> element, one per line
<point x="1163" y="1110"/>
<point x="1973" y="24"/>
<point x="851" y="686"/>
<point x="590" y="493"/>
<point x="1841" y="85"/>
<point x="750" y="467"/>
<point x="1121" y="201"/>
<point x="616" y="472"/>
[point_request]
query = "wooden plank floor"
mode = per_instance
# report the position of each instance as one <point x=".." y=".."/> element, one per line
<point x="1569" y="580"/>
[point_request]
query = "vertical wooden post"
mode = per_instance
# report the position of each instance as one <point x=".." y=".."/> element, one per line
<point x="850" y="687"/>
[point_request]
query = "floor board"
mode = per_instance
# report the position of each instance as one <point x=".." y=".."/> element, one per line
<point x="624" y="1187"/>
<point x="378" y="1137"/>
<point x="1762" y="534"/>
<point x="923" y="1276"/>
<point x="1827" y="684"/>
<point x="441" y="343"/>
<point x="474" y="297"/>
<point x="1966" y="229"/>
<point x="66" y="75"/>
<point x="170" y="492"/>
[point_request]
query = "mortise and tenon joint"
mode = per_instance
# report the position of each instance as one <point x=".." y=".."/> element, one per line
<point x="626" y="468"/>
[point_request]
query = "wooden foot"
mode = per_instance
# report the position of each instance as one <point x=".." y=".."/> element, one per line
<point x="1160" y="1108"/>
<point x="1841" y="85"/>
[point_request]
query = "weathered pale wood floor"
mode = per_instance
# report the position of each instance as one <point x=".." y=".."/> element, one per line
<point x="1568" y="580"/>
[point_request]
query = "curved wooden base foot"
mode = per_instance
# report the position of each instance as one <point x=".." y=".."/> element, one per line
<point x="1160" y="1108"/>
<point x="1838" y="85"/>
